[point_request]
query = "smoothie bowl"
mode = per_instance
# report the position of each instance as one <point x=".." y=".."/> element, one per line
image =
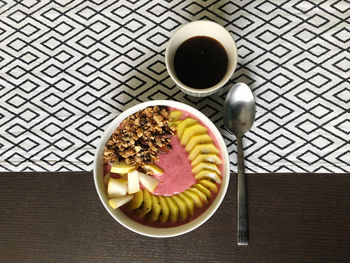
<point x="161" y="169"/>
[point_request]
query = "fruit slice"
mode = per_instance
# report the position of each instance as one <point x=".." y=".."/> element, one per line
<point x="156" y="207"/>
<point x="195" y="197"/>
<point x="136" y="201"/>
<point x="203" y="148"/>
<point x="198" y="139"/>
<point x="209" y="185"/>
<point x="203" y="190"/>
<point x="204" y="165"/>
<point x="106" y="178"/>
<point x="146" y="206"/>
<point x="149" y="182"/>
<point x="206" y="157"/>
<point x="182" y="207"/>
<point x="119" y="201"/>
<point x="121" y="167"/>
<point x="116" y="187"/>
<point x="173" y="123"/>
<point x="189" y="203"/>
<point x="133" y="181"/>
<point x="204" y="174"/>
<point x="200" y="194"/>
<point x="183" y="124"/>
<point x="191" y="131"/>
<point x="174" y="209"/>
<point x="175" y="115"/>
<point x="153" y="169"/>
<point x="164" y="213"/>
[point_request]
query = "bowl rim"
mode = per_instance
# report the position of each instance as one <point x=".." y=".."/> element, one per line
<point x="129" y="223"/>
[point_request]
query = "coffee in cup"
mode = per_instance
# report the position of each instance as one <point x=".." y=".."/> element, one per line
<point x="201" y="57"/>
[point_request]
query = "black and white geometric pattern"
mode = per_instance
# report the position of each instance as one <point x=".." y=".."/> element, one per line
<point x="67" y="68"/>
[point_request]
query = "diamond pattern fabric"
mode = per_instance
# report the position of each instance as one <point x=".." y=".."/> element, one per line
<point x="67" y="68"/>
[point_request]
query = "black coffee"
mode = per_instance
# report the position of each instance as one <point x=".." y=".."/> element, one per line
<point x="200" y="62"/>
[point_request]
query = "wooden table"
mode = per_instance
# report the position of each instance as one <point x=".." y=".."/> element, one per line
<point x="57" y="217"/>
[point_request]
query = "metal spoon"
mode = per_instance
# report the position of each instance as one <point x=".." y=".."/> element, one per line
<point x="239" y="115"/>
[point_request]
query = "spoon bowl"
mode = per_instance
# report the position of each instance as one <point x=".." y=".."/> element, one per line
<point x="239" y="115"/>
<point x="239" y="109"/>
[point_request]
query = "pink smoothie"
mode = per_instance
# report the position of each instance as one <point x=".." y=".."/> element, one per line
<point x="177" y="171"/>
<point x="177" y="176"/>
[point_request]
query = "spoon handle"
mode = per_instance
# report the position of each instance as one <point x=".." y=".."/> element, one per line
<point x="242" y="217"/>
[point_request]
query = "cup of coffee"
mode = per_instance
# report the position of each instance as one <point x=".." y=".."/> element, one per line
<point x="201" y="57"/>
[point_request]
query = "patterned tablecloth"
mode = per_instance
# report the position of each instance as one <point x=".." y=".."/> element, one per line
<point x="67" y="68"/>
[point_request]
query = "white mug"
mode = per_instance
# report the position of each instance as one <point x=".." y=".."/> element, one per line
<point x="207" y="29"/>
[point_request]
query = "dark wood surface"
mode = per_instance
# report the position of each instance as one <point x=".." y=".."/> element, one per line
<point x="57" y="217"/>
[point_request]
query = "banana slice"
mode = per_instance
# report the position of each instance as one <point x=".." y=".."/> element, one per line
<point x="148" y="181"/>
<point x="175" y="115"/>
<point x="182" y="207"/>
<point x="133" y="181"/>
<point x="117" y="187"/>
<point x="119" y="201"/>
<point x="121" y="167"/>
<point x="156" y="208"/>
<point x="206" y="157"/>
<point x="204" y="174"/>
<point x="198" y="139"/>
<point x="136" y="201"/>
<point x="209" y="185"/>
<point x="203" y="148"/>
<point x="153" y="169"/>
<point x="195" y="197"/>
<point x="203" y="190"/>
<point x="191" y="131"/>
<point x="146" y="206"/>
<point x="174" y="209"/>
<point x="165" y="211"/>
<point x="183" y="124"/>
<point x="204" y="165"/>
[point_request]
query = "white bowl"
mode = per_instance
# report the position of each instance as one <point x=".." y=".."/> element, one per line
<point x="154" y="231"/>
<point x="201" y="28"/>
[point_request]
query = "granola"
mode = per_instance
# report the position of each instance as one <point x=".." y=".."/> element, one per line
<point x="140" y="137"/>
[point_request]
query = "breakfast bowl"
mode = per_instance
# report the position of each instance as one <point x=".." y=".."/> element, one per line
<point x="169" y="188"/>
